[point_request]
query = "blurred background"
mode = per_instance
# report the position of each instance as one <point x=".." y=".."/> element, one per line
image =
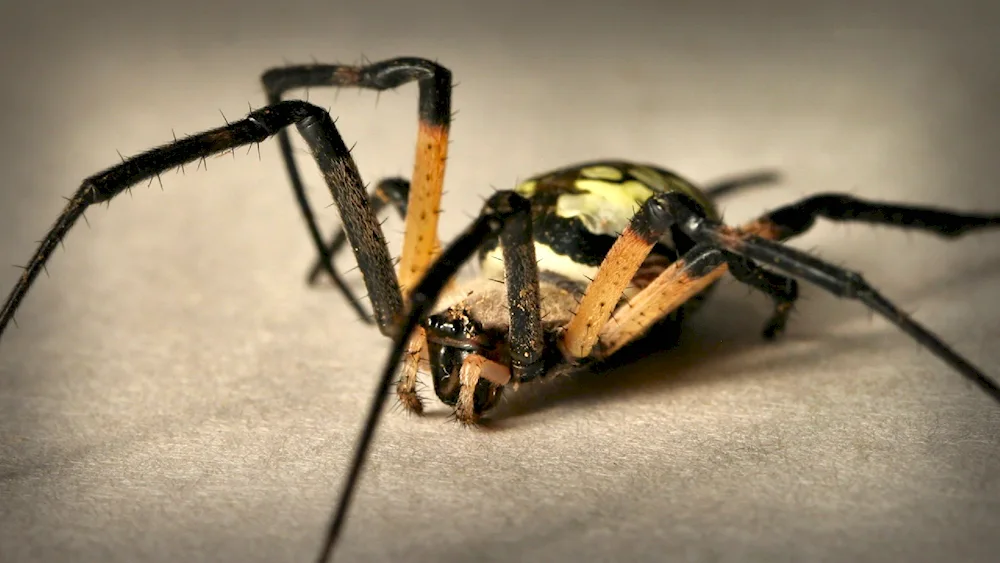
<point x="174" y="391"/>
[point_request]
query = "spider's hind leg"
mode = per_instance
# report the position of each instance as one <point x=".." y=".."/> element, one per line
<point x="797" y="218"/>
<point x="848" y="284"/>
<point x="727" y="186"/>
<point x="783" y="290"/>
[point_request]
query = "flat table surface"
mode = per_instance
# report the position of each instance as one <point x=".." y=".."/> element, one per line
<point x="174" y="392"/>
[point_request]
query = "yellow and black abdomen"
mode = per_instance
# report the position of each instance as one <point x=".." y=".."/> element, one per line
<point x="578" y="212"/>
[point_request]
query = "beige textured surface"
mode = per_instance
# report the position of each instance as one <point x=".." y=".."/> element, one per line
<point x="175" y="393"/>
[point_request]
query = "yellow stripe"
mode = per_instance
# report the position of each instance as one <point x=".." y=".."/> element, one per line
<point x="602" y="173"/>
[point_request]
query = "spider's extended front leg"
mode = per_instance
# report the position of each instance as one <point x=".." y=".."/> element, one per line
<point x="434" y="111"/>
<point x="329" y="151"/>
<point x="506" y="215"/>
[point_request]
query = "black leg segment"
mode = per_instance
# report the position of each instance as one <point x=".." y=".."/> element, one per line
<point x="328" y="149"/>
<point x="783" y="290"/>
<point x="389" y="191"/>
<point x="722" y="188"/>
<point x="434" y="106"/>
<point x="362" y="227"/>
<point x="839" y="281"/>
<point x="526" y="340"/>
<point x="498" y="212"/>
<point x="797" y="218"/>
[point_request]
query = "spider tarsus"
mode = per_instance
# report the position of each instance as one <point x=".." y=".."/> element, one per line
<point x="410" y="400"/>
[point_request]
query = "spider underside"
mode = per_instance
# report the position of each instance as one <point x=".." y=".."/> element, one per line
<point x="589" y="258"/>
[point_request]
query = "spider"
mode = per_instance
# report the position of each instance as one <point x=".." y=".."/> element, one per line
<point x="591" y="258"/>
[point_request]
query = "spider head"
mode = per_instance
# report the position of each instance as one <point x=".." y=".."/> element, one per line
<point x="452" y="336"/>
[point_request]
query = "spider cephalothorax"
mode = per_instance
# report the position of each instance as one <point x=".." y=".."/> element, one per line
<point x="577" y="263"/>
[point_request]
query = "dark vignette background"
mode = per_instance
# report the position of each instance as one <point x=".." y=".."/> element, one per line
<point x="175" y="393"/>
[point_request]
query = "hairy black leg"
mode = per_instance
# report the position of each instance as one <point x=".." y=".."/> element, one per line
<point x="331" y="155"/>
<point x="362" y="227"/>
<point x="389" y="191"/>
<point x="434" y="112"/>
<point x="722" y="188"/>
<point x="839" y="281"/>
<point x="496" y="214"/>
<point x="783" y="290"/>
<point x="527" y="343"/>
<point x="795" y="219"/>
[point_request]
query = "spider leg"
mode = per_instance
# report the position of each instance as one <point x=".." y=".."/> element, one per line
<point x="474" y="369"/>
<point x="724" y="187"/>
<point x="673" y="287"/>
<point x="434" y="110"/>
<point x="502" y="214"/>
<point x="389" y="191"/>
<point x="527" y="344"/>
<point x="329" y="151"/>
<point x="846" y="283"/>
<point x="617" y="269"/>
<point x="784" y="291"/>
<point x="525" y="338"/>
<point x="694" y="272"/>
<point x="620" y="265"/>
<point x="795" y="219"/>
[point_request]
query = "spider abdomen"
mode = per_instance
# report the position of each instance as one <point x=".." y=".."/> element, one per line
<point x="578" y="212"/>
